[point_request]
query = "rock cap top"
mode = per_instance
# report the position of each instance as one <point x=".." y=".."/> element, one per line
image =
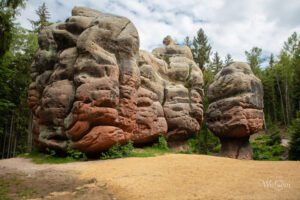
<point x="168" y="41"/>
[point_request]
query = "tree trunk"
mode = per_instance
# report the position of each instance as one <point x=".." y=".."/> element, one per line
<point x="274" y="104"/>
<point x="205" y="141"/>
<point x="4" y="141"/>
<point x="10" y="136"/>
<point x="287" y="102"/>
<point x="281" y="98"/>
<point x="15" y="141"/>
<point x="265" y="125"/>
<point x="29" y="136"/>
<point x="199" y="142"/>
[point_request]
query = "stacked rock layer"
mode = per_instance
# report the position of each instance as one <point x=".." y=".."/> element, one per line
<point x="93" y="88"/>
<point x="236" y="109"/>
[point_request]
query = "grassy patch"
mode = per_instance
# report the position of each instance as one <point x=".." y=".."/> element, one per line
<point x="50" y="157"/>
<point x="10" y="183"/>
<point x="127" y="150"/>
<point x="267" y="148"/>
<point x="149" y="152"/>
<point x="40" y="158"/>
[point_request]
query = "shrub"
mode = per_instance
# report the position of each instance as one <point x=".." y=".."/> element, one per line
<point x="294" y="149"/>
<point x="275" y="135"/>
<point x="264" y="148"/>
<point x="75" y="154"/>
<point x="118" y="151"/>
<point x="50" y="153"/>
<point x="162" y="143"/>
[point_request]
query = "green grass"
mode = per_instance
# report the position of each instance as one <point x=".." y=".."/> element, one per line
<point x="149" y="152"/>
<point x="40" y="158"/>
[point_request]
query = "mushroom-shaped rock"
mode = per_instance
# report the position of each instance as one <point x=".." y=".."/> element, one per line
<point x="175" y="78"/>
<point x="84" y="93"/>
<point x="93" y="88"/>
<point x="236" y="109"/>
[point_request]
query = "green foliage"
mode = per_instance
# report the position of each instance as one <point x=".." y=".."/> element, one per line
<point x="149" y="152"/>
<point x="200" y="47"/>
<point x="266" y="149"/>
<point x="275" y="136"/>
<point x="162" y="143"/>
<point x="228" y="60"/>
<point x="255" y="59"/>
<point x="43" y="20"/>
<point x="50" y="153"/>
<point x="209" y="143"/>
<point x="14" y="81"/>
<point x="50" y="157"/>
<point x="216" y="64"/>
<point x="294" y="148"/>
<point x="127" y="150"/>
<point x="167" y="59"/>
<point x="75" y="154"/>
<point x="8" y="11"/>
<point x="118" y="151"/>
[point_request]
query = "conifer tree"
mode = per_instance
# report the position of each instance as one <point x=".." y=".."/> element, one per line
<point x="43" y="20"/>
<point x="201" y="49"/>
<point x="217" y="63"/>
<point x="228" y="60"/>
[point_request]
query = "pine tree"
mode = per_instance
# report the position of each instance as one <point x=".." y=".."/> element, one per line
<point x="43" y="20"/>
<point x="255" y="60"/>
<point x="228" y="60"/>
<point x="216" y="64"/>
<point x="187" y="42"/>
<point x="201" y="49"/>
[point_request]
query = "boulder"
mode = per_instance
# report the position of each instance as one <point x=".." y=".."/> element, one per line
<point x="236" y="109"/>
<point x="93" y="88"/>
<point x="171" y="73"/>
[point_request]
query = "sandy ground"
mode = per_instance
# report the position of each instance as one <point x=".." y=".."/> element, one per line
<point x="175" y="176"/>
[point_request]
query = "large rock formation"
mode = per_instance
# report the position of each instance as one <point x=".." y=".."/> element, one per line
<point x="171" y="73"/>
<point x="236" y="109"/>
<point x="87" y="92"/>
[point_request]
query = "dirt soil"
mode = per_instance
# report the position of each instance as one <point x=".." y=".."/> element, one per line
<point x="167" y="177"/>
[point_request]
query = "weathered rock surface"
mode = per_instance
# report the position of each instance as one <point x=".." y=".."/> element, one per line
<point x="171" y="73"/>
<point x="236" y="109"/>
<point x="93" y="88"/>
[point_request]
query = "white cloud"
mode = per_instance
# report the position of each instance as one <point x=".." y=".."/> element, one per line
<point x="232" y="26"/>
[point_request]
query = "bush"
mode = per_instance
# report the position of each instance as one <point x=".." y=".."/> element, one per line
<point x="118" y="151"/>
<point x="266" y="148"/>
<point x="162" y="143"/>
<point x="275" y="135"/>
<point x="75" y="154"/>
<point x="50" y="153"/>
<point x="294" y="149"/>
<point x="209" y="143"/>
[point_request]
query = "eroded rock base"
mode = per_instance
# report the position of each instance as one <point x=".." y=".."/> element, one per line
<point x="238" y="148"/>
<point x="178" y="145"/>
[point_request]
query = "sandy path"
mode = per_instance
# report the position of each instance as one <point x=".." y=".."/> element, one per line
<point x="190" y="177"/>
<point x="179" y="176"/>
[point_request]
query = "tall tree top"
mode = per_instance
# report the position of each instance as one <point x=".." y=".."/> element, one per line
<point x="43" y="20"/>
<point x="201" y="49"/>
<point x="255" y="59"/>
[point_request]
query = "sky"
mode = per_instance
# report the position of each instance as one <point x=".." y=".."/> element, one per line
<point x="232" y="26"/>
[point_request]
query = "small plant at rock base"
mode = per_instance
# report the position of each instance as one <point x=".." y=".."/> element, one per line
<point x="167" y="59"/>
<point x="162" y="143"/>
<point x="75" y="154"/>
<point x="50" y="153"/>
<point x="118" y="151"/>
